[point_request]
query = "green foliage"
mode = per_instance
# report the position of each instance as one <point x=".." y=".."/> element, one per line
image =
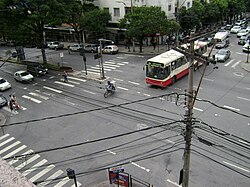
<point x="95" y="22"/>
<point x="144" y="21"/>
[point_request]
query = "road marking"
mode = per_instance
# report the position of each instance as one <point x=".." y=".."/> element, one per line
<point x="15" y="151"/>
<point x="208" y="79"/>
<point x="125" y="62"/>
<point x="73" y="82"/>
<point x="198" y="109"/>
<point x="78" y="184"/>
<point x="6" y="141"/>
<point x="27" y="162"/>
<point x="64" y="84"/>
<point x="113" y="153"/>
<point x="136" y="83"/>
<point x="52" y="89"/>
<point x="147" y="95"/>
<point x="50" y="178"/>
<point x="244" y="142"/>
<point x="32" y="99"/>
<point x="34" y="167"/>
<point x="122" y="80"/>
<point x="9" y="147"/>
<point x="111" y="65"/>
<point x="238" y="74"/>
<point x="174" y="183"/>
<point x="77" y="79"/>
<point x="248" y="88"/>
<point x="105" y="66"/>
<point x="236" y="64"/>
<point x="51" y="77"/>
<point x="23" y="108"/>
<point x="239" y="53"/>
<point x="120" y="57"/>
<point x="141" y="167"/>
<point x="38" y="95"/>
<point x="227" y="64"/>
<point x="89" y="92"/>
<point x="122" y="88"/>
<point x="4" y="136"/>
<point x="109" y="62"/>
<point x="243" y="98"/>
<point x="99" y="68"/>
<point x="13" y="161"/>
<point x="62" y="182"/>
<point x="231" y="108"/>
<point x="236" y="166"/>
<point x="120" y="64"/>
<point x="41" y="173"/>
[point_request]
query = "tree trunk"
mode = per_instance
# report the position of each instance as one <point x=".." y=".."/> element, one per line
<point x="141" y="43"/>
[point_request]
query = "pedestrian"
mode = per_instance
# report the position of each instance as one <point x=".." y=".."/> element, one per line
<point x="11" y="105"/>
<point x="65" y="75"/>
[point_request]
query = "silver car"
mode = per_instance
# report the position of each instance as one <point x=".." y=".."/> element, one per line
<point x="222" y="55"/>
<point x="23" y="76"/>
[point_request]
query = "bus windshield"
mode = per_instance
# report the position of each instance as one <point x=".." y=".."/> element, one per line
<point x="157" y="70"/>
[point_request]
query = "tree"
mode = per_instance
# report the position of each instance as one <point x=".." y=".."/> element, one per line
<point x="143" y="21"/>
<point x="34" y="15"/>
<point x="95" y="22"/>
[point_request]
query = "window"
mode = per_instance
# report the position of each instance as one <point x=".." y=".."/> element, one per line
<point x="169" y="7"/>
<point x="116" y="12"/>
<point x="127" y="10"/>
<point x="188" y="4"/>
<point x="106" y="9"/>
<point x="173" y="65"/>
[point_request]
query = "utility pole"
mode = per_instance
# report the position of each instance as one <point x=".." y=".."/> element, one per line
<point x="177" y="20"/>
<point x="188" y="119"/>
<point x="133" y="39"/>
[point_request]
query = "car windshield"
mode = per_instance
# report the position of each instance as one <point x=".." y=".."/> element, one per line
<point x="242" y="31"/>
<point x="222" y="52"/>
<point x="24" y="74"/>
<point x="236" y="27"/>
<point x="2" y="81"/>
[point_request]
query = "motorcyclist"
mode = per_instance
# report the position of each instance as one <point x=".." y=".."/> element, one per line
<point x="110" y="86"/>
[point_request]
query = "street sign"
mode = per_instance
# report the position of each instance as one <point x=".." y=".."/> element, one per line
<point x="117" y="169"/>
<point x="61" y="55"/>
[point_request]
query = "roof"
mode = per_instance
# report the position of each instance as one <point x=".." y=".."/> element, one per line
<point x="167" y="57"/>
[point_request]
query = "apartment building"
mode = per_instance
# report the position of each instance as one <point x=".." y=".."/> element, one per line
<point x="118" y="8"/>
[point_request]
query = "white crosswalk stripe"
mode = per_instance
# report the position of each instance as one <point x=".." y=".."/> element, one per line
<point x="64" y="84"/>
<point x="236" y="64"/>
<point x="31" y="99"/>
<point x="99" y="68"/>
<point x="227" y="64"/>
<point x="29" y="165"/>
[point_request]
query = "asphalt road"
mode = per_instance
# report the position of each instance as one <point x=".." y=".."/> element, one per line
<point x="56" y="114"/>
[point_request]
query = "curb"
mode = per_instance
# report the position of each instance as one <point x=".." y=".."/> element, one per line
<point x="90" y="76"/>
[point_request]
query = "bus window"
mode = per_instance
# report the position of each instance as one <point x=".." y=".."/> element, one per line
<point x="173" y="65"/>
<point x="156" y="71"/>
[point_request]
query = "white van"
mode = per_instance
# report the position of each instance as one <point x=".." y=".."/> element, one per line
<point x="221" y="36"/>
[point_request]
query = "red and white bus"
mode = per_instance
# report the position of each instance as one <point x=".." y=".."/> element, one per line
<point x="164" y="69"/>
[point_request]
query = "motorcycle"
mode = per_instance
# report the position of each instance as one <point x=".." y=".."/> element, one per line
<point x="109" y="91"/>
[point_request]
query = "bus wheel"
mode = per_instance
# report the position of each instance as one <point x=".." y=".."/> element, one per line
<point x="173" y="79"/>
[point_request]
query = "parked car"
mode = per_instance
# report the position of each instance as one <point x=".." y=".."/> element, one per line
<point x="242" y="32"/>
<point x="228" y="27"/>
<point x="235" y="29"/>
<point x="55" y="45"/>
<point x="37" y="69"/>
<point x="23" y="76"/>
<point x="208" y="39"/>
<point x="222" y="55"/>
<point x="92" y="48"/>
<point x="246" y="47"/>
<point x="222" y="44"/>
<point x="3" y="101"/>
<point x="76" y="47"/>
<point x="243" y="39"/>
<point x="4" y="84"/>
<point x="110" y="49"/>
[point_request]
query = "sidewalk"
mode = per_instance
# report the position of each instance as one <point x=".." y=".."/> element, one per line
<point x="245" y="66"/>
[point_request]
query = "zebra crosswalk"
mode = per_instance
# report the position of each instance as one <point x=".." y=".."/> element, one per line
<point x="33" y="166"/>
<point x="108" y="66"/>
<point x="232" y="63"/>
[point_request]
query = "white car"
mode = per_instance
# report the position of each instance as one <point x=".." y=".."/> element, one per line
<point x="235" y="29"/>
<point x="55" y="45"/>
<point x="4" y="84"/>
<point x="242" y="32"/>
<point x="76" y="47"/>
<point x="246" y="47"/>
<point x="110" y="49"/>
<point x="23" y="76"/>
